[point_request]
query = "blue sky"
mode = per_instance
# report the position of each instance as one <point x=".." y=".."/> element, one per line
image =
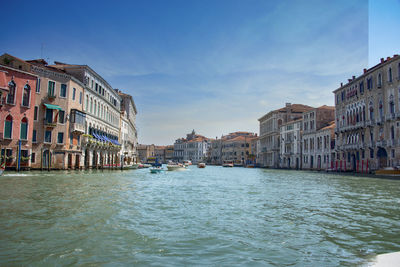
<point x="212" y="66"/>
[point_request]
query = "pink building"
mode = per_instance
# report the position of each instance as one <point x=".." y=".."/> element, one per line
<point x="16" y="116"/>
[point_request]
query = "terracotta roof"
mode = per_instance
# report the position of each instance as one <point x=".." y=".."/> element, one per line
<point x="240" y="138"/>
<point x="330" y="126"/>
<point x="296" y="108"/>
<point x="326" y="107"/>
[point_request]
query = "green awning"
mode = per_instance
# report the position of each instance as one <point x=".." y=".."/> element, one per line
<point x="50" y="106"/>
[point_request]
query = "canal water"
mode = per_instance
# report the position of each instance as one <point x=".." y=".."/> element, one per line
<point x="214" y="216"/>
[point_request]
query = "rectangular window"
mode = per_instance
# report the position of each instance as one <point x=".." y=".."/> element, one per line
<point x="33" y="158"/>
<point x="63" y="90"/>
<point x="51" y="89"/>
<point x="47" y="137"/>
<point x="49" y="116"/>
<point x="71" y="139"/>
<point x="80" y="97"/>
<point x="73" y="93"/>
<point x="38" y="85"/>
<point x="97" y="87"/>
<point x="60" y="138"/>
<point x="35" y="113"/>
<point x="61" y="116"/>
<point x="34" y="138"/>
<point x="79" y="140"/>
<point x="92" y="84"/>
<point x="361" y="87"/>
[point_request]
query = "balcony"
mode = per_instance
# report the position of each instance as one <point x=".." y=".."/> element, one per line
<point x="381" y="143"/>
<point x="370" y="122"/>
<point x="49" y="124"/>
<point x="380" y="120"/>
<point x="77" y="127"/>
<point x="390" y="116"/>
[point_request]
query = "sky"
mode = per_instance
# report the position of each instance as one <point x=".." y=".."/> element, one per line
<point x="215" y="66"/>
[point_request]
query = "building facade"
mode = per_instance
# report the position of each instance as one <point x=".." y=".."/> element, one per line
<point x="316" y="143"/>
<point x="17" y="101"/>
<point x="269" y="138"/>
<point x="290" y="146"/>
<point x="368" y="119"/>
<point x="194" y="148"/>
<point x="102" y="104"/>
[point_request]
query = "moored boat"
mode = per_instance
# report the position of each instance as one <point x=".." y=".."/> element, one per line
<point x="156" y="170"/>
<point x="201" y="165"/>
<point x="388" y="171"/>
<point x="227" y="163"/>
<point x="187" y="162"/>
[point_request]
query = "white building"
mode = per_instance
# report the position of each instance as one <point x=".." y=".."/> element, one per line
<point x="102" y="105"/>
<point x="290" y="147"/>
<point x="128" y="132"/>
<point x="194" y="148"/>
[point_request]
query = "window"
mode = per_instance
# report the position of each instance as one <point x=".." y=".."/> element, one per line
<point x="71" y="139"/>
<point x="49" y="116"/>
<point x="390" y="78"/>
<point x="87" y="103"/>
<point x="38" y="85"/>
<point x="91" y="105"/>
<point x="34" y="136"/>
<point x="63" y="90"/>
<point x="47" y="136"/>
<point x="33" y="158"/>
<point x="73" y="93"/>
<point x="11" y="92"/>
<point x="26" y="95"/>
<point x="92" y="84"/>
<point x="371" y="153"/>
<point x="369" y="83"/>
<point x="24" y="129"/>
<point x="35" y="113"/>
<point x="379" y="80"/>
<point x="60" y="138"/>
<point x="361" y="87"/>
<point x="97" y="87"/>
<point x="51" y="89"/>
<point x="79" y="140"/>
<point x="8" y="124"/>
<point x="80" y="97"/>
<point x="61" y="116"/>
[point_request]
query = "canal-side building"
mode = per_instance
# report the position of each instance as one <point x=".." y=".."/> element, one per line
<point x="16" y="116"/>
<point x="215" y="152"/>
<point x="312" y="141"/>
<point x="269" y="138"/>
<point x="368" y="118"/>
<point x="128" y="132"/>
<point x="58" y="117"/>
<point x="102" y="104"/>
<point x="236" y="147"/>
<point x="290" y="146"/>
<point x="145" y="152"/>
<point x="194" y="148"/>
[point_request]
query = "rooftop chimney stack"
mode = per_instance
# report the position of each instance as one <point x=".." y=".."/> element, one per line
<point x="341" y="84"/>
<point x="382" y="60"/>
<point x="354" y="77"/>
<point x="365" y="70"/>
<point x="288" y="104"/>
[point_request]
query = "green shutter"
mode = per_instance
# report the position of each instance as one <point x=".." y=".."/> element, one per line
<point x="24" y="131"/>
<point x="8" y="129"/>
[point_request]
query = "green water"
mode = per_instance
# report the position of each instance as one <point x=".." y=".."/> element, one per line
<point x="214" y="216"/>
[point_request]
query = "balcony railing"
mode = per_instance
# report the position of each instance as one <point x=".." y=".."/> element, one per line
<point x="390" y="116"/>
<point x="77" y="127"/>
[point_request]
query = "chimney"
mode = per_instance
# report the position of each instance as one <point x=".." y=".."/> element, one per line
<point x="349" y="80"/>
<point x="365" y="70"/>
<point x="354" y="77"/>
<point x="388" y="58"/>
<point x="382" y="60"/>
<point x="341" y="84"/>
<point x="288" y="104"/>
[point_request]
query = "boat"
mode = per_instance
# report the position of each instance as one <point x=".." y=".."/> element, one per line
<point x="201" y="165"/>
<point x="388" y="171"/>
<point x="227" y="163"/>
<point x="156" y="170"/>
<point x="134" y="166"/>
<point x="187" y="162"/>
<point x="146" y="165"/>
<point x="176" y="167"/>
<point x="2" y="168"/>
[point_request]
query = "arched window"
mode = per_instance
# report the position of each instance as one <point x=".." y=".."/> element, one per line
<point x="91" y="105"/>
<point x="379" y="80"/>
<point x="371" y="111"/>
<point x="26" y="95"/>
<point x="391" y="104"/>
<point x="95" y="107"/>
<point x="390" y="78"/>
<point x="392" y="132"/>
<point x="87" y="103"/>
<point x="8" y="124"/>
<point x="24" y="129"/>
<point x="11" y="92"/>
<point x="380" y="109"/>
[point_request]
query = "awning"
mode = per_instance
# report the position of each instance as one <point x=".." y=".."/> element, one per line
<point x="50" y="106"/>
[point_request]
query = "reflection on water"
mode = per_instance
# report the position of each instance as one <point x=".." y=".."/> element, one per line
<point x="211" y="216"/>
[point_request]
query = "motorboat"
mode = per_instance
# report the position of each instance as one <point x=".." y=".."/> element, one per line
<point x="227" y="163"/>
<point x="146" y="165"/>
<point x="201" y="165"/>
<point x="176" y="167"/>
<point x="134" y="166"/>
<point x="156" y="170"/>
<point x="187" y="162"/>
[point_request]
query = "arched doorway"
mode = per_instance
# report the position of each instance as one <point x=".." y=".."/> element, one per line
<point x="288" y="163"/>
<point x="319" y="162"/>
<point x="297" y="163"/>
<point x="382" y="157"/>
<point x="312" y="162"/>
<point x="77" y="161"/>
<point x="87" y="159"/>
<point x="69" y="161"/>
<point x="353" y="162"/>
<point x="46" y="159"/>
